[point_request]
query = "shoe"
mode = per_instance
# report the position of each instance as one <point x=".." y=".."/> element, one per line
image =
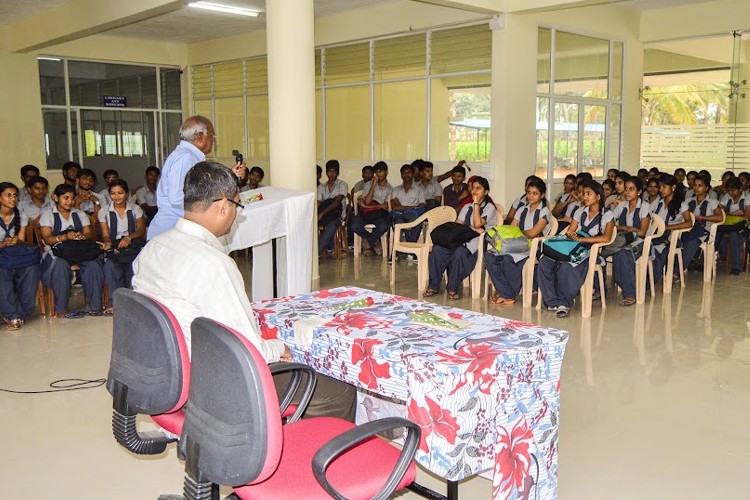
<point x="676" y="280"/>
<point x="411" y="257"/>
<point x="14" y="324"/>
<point x="562" y="312"/>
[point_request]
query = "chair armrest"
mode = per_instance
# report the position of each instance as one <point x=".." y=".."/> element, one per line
<point x="341" y="443"/>
<point x="408" y="225"/>
<point x="298" y="370"/>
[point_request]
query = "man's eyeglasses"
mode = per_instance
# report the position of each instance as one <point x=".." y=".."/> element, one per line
<point x="240" y="206"/>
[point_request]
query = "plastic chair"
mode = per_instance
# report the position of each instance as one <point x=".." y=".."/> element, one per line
<point x="709" y="250"/>
<point x="675" y="251"/>
<point x="644" y="266"/>
<point x="369" y="227"/>
<point x="232" y="437"/>
<point x="434" y="218"/>
<point x="594" y="271"/>
<point x="475" y="278"/>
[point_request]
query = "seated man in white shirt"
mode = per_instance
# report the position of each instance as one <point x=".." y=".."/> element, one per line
<point x="145" y="197"/>
<point x="109" y="176"/>
<point x="407" y="202"/>
<point x="188" y="270"/>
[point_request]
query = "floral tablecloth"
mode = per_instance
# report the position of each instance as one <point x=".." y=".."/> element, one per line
<point x="485" y="390"/>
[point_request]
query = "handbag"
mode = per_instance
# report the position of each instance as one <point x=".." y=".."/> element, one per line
<point x="506" y="239"/>
<point x="452" y="234"/>
<point x="126" y="255"/>
<point x="77" y="251"/>
<point x="19" y="256"/>
<point x="563" y="249"/>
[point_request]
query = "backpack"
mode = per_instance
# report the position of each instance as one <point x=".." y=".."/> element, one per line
<point x="733" y="224"/>
<point x="506" y="239"/>
<point x="124" y="255"/>
<point x="563" y="249"/>
<point x="452" y="235"/>
<point x="75" y="251"/>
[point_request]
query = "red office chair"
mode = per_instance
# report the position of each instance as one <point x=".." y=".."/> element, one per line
<point x="149" y="373"/>
<point x="232" y="437"/>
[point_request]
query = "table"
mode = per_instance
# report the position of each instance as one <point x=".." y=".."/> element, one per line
<point x="282" y="213"/>
<point x="486" y="396"/>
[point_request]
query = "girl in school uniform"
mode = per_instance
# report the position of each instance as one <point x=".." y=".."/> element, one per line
<point x="733" y="203"/>
<point x="64" y="222"/>
<point x="706" y="211"/>
<point x="669" y="207"/>
<point x="651" y="194"/>
<point x="18" y="284"/>
<point x="480" y="214"/>
<point x="505" y="270"/>
<point x="564" y="199"/>
<point x="520" y="201"/>
<point x="619" y="194"/>
<point x="560" y="282"/>
<point x="631" y="216"/>
<point x="121" y="224"/>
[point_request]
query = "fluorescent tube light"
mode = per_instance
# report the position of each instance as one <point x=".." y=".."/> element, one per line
<point x="223" y="8"/>
<point x="45" y="58"/>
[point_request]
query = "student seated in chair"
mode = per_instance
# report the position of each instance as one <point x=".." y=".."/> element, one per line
<point x="213" y="287"/>
<point x="331" y="196"/>
<point x="455" y="193"/>
<point x="433" y="191"/>
<point x="373" y="209"/>
<point x="145" y="197"/>
<point x="706" y="211"/>
<point x="407" y="202"/>
<point x="38" y="200"/>
<point x="109" y="176"/>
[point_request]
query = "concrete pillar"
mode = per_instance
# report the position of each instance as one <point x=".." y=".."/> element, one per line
<point x="291" y="98"/>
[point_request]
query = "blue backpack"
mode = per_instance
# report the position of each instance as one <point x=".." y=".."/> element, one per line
<point x="563" y="249"/>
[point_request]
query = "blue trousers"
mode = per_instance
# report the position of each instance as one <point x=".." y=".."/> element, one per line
<point x="58" y="275"/>
<point x="326" y="236"/>
<point x="381" y="227"/>
<point x="18" y="291"/>
<point x="560" y="282"/>
<point x="408" y="216"/>
<point x="116" y="276"/>
<point x="689" y="250"/>
<point x="505" y="273"/>
<point x="731" y="240"/>
<point x="625" y="272"/>
<point x="660" y="263"/>
<point x="459" y="263"/>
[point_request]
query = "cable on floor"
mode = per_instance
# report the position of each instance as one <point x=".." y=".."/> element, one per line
<point x="65" y="384"/>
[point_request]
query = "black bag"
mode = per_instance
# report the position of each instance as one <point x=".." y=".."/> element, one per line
<point x="452" y="235"/>
<point x="19" y="256"/>
<point x="77" y="251"/>
<point x="330" y="216"/>
<point x="126" y="255"/>
<point x="622" y="240"/>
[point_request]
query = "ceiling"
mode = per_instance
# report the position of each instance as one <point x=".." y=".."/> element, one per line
<point x="193" y="25"/>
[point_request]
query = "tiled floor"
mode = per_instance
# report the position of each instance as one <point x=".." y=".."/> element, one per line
<point x="655" y="399"/>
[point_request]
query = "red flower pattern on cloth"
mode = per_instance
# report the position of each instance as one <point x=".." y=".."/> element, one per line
<point x="433" y="419"/>
<point x="370" y="370"/>
<point x="266" y="331"/>
<point x="326" y="294"/>
<point x="511" y="477"/>
<point x="348" y="322"/>
<point x="482" y="369"/>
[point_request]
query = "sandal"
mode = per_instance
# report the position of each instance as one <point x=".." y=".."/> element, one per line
<point x="14" y="324"/>
<point x="454" y="295"/>
<point x="627" y="301"/>
<point x="93" y="312"/>
<point x="497" y="300"/>
<point x="429" y="293"/>
<point x="70" y="315"/>
<point x="109" y="312"/>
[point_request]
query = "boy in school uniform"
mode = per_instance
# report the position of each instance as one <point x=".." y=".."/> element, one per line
<point x="145" y="197"/>
<point x="86" y="199"/>
<point x="455" y="193"/>
<point x="38" y="200"/>
<point x="27" y="172"/>
<point x="331" y="205"/>
<point x="373" y="209"/>
<point x="109" y="175"/>
<point x="433" y="191"/>
<point x="407" y="202"/>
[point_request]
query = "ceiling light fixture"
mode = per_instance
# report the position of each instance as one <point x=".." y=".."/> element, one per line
<point x="45" y="58"/>
<point x="228" y="9"/>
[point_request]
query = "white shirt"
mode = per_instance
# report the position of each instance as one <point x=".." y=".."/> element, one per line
<point x="187" y="270"/>
<point x="145" y="195"/>
<point x="412" y="198"/>
<point x="32" y="211"/>
<point x="47" y="219"/>
<point x="88" y="205"/>
<point x="104" y="195"/>
<point x="432" y="190"/>
<point x="339" y="188"/>
<point x="122" y="222"/>
<point x="380" y="195"/>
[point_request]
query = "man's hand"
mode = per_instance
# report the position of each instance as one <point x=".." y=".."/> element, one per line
<point x="240" y="170"/>
<point x="287" y="355"/>
<point x="124" y="242"/>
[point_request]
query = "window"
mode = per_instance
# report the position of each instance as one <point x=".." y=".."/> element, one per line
<point x="579" y="103"/>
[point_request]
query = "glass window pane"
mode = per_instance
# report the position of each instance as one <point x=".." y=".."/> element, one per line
<point x="91" y="81"/>
<point x="55" y="137"/>
<point x="318" y="68"/>
<point x="565" y="140"/>
<point x="461" y="49"/>
<point x="614" y="137"/>
<point x="171" y="88"/>
<point x="229" y="79"/>
<point x="617" y="61"/>
<point x="542" y="136"/>
<point x="52" y="81"/>
<point x="202" y="78"/>
<point x="230" y="128"/>
<point x="204" y="108"/>
<point x="257" y="124"/>
<point x="92" y="133"/>
<point x="347" y="64"/>
<point x="543" y="60"/>
<point x="581" y="65"/>
<point x="594" y="126"/>
<point x="400" y="57"/>
<point x="171" y="123"/>
<point x="400" y="117"/>
<point x="348" y="123"/>
<point x="256" y="75"/>
<point x="460" y="119"/>
<point x="319" y="124"/>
